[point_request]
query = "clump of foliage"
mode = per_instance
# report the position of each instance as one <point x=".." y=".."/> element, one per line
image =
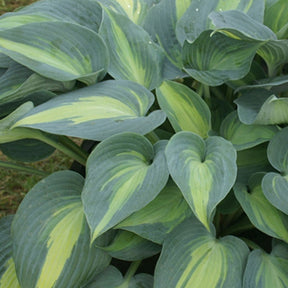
<point x="183" y="108"/>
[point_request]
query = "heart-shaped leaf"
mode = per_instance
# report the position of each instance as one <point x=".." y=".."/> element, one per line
<point x="124" y="173"/>
<point x="185" y="109"/>
<point x="50" y="227"/>
<point x="8" y="277"/>
<point x="97" y="112"/>
<point x="205" y="171"/>
<point x="259" y="210"/>
<point x="198" y="259"/>
<point x="134" y="56"/>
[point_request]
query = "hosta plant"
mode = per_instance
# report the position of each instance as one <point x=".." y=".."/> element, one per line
<point x="181" y="179"/>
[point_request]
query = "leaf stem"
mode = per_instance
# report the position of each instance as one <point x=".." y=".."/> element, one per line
<point x="22" y="168"/>
<point x="152" y="137"/>
<point x="130" y="273"/>
<point x="250" y="243"/>
<point x="242" y="225"/>
<point x="65" y="145"/>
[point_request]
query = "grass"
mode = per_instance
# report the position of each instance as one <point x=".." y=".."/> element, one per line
<point x="13" y="184"/>
<point x="11" y="5"/>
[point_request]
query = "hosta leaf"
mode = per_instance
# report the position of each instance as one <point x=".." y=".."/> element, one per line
<point x="128" y="246"/>
<point x="133" y="54"/>
<point x="244" y="136"/>
<point x="276" y="18"/>
<point x="53" y="10"/>
<point x="251" y="161"/>
<point x="97" y="112"/>
<point x="50" y="227"/>
<point x="277" y="151"/>
<point x="266" y="270"/>
<point x="124" y="173"/>
<point x="275" y="185"/>
<point x="27" y="150"/>
<point x="113" y="278"/>
<point x="18" y="82"/>
<point x="6" y="133"/>
<point x="64" y="52"/>
<point x="135" y="10"/>
<point x="259" y="106"/>
<point x="216" y="59"/>
<point x="195" y="20"/>
<point x="160" y="216"/>
<point x="198" y="259"/>
<point x="260" y="211"/>
<point x="240" y="25"/>
<point x="205" y="171"/>
<point x="168" y="12"/>
<point x="8" y="277"/>
<point x="185" y="109"/>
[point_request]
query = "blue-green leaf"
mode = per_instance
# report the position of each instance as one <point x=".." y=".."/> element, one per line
<point x="215" y="59"/>
<point x="160" y="216"/>
<point x="205" y="171"/>
<point x="244" y="136"/>
<point x="97" y="112"/>
<point x="128" y="246"/>
<point x="8" y="277"/>
<point x="124" y="173"/>
<point x="50" y="228"/>
<point x="275" y="185"/>
<point x="193" y="257"/>
<point x="265" y="270"/>
<point x="64" y="52"/>
<point x="259" y="210"/>
<point x="260" y="106"/>
<point x="134" y="56"/>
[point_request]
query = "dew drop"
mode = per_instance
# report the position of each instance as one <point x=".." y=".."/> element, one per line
<point x="150" y="42"/>
<point x="197" y="9"/>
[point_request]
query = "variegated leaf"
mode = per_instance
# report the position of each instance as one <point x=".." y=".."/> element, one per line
<point x="74" y="11"/>
<point x="124" y="173"/>
<point x="157" y="219"/>
<point x="185" y="109"/>
<point x="265" y="270"/>
<point x="275" y="185"/>
<point x="8" y="277"/>
<point x="65" y="52"/>
<point x="215" y="59"/>
<point x="128" y="246"/>
<point x="51" y="243"/>
<point x="244" y="136"/>
<point x="259" y="210"/>
<point x="134" y="56"/>
<point x="97" y="112"/>
<point x="193" y="257"/>
<point x="262" y="107"/>
<point x="205" y="171"/>
<point x="168" y="12"/>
